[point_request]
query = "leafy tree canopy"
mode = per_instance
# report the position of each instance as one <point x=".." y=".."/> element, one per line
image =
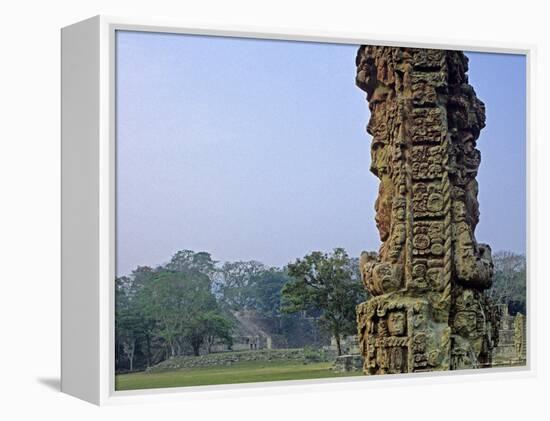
<point x="330" y="283"/>
<point x="509" y="281"/>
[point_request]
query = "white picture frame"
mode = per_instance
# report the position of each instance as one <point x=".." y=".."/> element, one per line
<point x="88" y="211"/>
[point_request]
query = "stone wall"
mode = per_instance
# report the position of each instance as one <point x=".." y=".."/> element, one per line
<point x="348" y="363"/>
<point x="348" y="344"/>
<point x="228" y="358"/>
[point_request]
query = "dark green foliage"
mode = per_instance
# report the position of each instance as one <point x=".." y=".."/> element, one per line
<point x="168" y="311"/>
<point x="301" y="330"/>
<point x="266" y="289"/>
<point x="509" y="281"/>
<point x="329" y="284"/>
<point x="189" y="262"/>
<point x="184" y="309"/>
<point x="127" y="322"/>
<point x="251" y="286"/>
<point x="236" y="283"/>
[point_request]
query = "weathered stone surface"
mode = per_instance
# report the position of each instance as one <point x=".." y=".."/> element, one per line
<point x="520" y="338"/>
<point x="512" y="340"/>
<point x="428" y="309"/>
<point x="228" y="358"/>
<point x="348" y="363"/>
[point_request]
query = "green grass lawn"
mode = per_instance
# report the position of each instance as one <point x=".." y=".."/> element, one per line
<point x="241" y="372"/>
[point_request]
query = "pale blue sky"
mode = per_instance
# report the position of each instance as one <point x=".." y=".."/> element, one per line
<point x="256" y="149"/>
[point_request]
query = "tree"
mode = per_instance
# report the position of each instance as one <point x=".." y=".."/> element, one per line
<point x="235" y="286"/>
<point x="265" y="291"/>
<point x="141" y="277"/>
<point x="208" y="328"/>
<point x="185" y="310"/>
<point x="189" y="262"/>
<point x="163" y="300"/>
<point x="128" y="323"/>
<point x="509" y="281"/>
<point x="328" y="283"/>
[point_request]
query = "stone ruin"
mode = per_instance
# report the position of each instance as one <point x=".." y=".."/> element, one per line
<point x="512" y="339"/>
<point x="427" y="308"/>
<point x="348" y="363"/>
<point x="520" y="338"/>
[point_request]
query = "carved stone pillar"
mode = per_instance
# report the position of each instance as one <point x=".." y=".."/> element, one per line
<point x="427" y="308"/>
<point x="520" y="339"/>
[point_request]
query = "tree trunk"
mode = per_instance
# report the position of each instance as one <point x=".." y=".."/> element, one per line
<point x="132" y="359"/>
<point x="129" y="350"/>
<point x="148" y="338"/>
<point x="338" y="345"/>
<point x="196" y="348"/>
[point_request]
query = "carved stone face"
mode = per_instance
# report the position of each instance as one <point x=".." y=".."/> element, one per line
<point x="382" y="327"/>
<point x="485" y="252"/>
<point x="383" y="207"/>
<point x="396" y="323"/>
<point x="419" y="320"/>
<point x="379" y="155"/>
<point x="400" y="214"/>
<point x="459" y="211"/>
<point x="465" y="323"/>
<point x="399" y="233"/>
<point x="385" y="278"/>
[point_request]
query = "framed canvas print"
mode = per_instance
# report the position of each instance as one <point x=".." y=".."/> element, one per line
<point x="243" y="209"/>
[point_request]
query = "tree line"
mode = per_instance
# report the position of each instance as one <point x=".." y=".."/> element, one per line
<point x="186" y="306"/>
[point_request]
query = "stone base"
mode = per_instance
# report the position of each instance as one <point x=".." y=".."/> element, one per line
<point x="348" y="363"/>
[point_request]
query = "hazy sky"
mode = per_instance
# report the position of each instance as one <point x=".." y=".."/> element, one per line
<point x="257" y="149"/>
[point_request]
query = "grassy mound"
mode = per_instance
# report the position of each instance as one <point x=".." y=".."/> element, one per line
<point x="229" y="358"/>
